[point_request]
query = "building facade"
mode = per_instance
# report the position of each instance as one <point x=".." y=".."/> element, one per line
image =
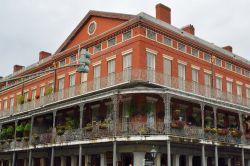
<point x="154" y="95"/>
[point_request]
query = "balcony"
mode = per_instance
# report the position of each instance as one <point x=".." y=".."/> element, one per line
<point x="124" y="77"/>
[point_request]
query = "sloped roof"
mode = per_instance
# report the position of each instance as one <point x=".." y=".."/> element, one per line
<point x="91" y="13"/>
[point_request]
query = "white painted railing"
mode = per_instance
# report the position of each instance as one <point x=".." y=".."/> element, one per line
<point x="125" y="77"/>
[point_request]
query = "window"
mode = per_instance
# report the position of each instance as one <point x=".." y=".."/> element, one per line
<point x="5" y="104"/>
<point x="248" y="93"/>
<point x="229" y="87"/>
<point x="151" y="34"/>
<point x="207" y="78"/>
<point x="72" y="80"/>
<point x="111" y="42"/>
<point x="195" y="52"/>
<point x="61" y="84"/>
<point x="167" y="41"/>
<point x="238" y="70"/>
<point x="181" y="71"/>
<point x="229" y="66"/>
<point x="182" y="47"/>
<point x="150" y="66"/>
<point x="219" y="83"/>
<point x="127" y="35"/>
<point x="26" y="96"/>
<point x="195" y="75"/>
<point x="239" y="90"/>
<point x="111" y="72"/>
<point x="167" y="67"/>
<point x="42" y="91"/>
<point x="247" y="73"/>
<point x="97" y="48"/>
<point x="62" y="63"/>
<point x="33" y="92"/>
<point x="126" y="67"/>
<point x="207" y="57"/>
<point x="72" y="58"/>
<point x="218" y="62"/>
<point x="97" y="72"/>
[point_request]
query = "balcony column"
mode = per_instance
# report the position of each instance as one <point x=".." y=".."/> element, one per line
<point x="63" y="160"/>
<point x="52" y="156"/>
<point x="87" y="159"/>
<point x="42" y="161"/>
<point x="158" y="159"/>
<point x="176" y="160"/>
<point x="14" y="153"/>
<point x="73" y="160"/>
<point x="80" y="127"/>
<point x="243" y="157"/>
<point x="30" y="141"/>
<point x="54" y="126"/>
<point x="229" y="162"/>
<point x="215" y="116"/>
<point x="9" y="163"/>
<point x="169" y="152"/>
<point x="138" y="158"/>
<point x="167" y="110"/>
<point x="202" y="117"/>
<point x="216" y="159"/>
<point x="103" y="159"/>
<point x="115" y="100"/>
<point x="13" y="159"/>
<point x="203" y="158"/>
<point x="189" y="160"/>
<point x="241" y="126"/>
<point x="248" y="163"/>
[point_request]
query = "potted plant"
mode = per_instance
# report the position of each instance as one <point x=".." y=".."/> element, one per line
<point x="49" y="91"/>
<point x="60" y="129"/>
<point x="10" y="132"/>
<point x="26" y="139"/>
<point x="207" y="129"/>
<point x="35" y="136"/>
<point x="70" y="123"/>
<point x="3" y="135"/>
<point x="177" y="124"/>
<point x="29" y="100"/>
<point x="27" y="129"/>
<point x="213" y="130"/>
<point x="222" y="132"/>
<point x="18" y="139"/>
<point x="104" y="124"/>
<point x="132" y="108"/>
<point x="147" y="108"/>
<point x="235" y="133"/>
<point x="88" y="127"/>
<point x="143" y="130"/>
<point x="20" y="99"/>
<point x="19" y="130"/>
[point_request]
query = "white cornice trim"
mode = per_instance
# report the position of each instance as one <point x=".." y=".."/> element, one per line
<point x="151" y="51"/>
<point x="127" y="51"/>
<point x="43" y="84"/>
<point x="195" y="67"/>
<point x="239" y="83"/>
<point x="72" y="72"/>
<point x="61" y="76"/>
<point x="207" y="71"/>
<point x="168" y="57"/>
<point x="229" y="79"/>
<point x="97" y="63"/>
<point x="219" y="75"/>
<point x="111" y="58"/>
<point x="182" y="62"/>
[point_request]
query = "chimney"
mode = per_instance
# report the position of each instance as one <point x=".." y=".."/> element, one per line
<point x="17" y="68"/>
<point x="189" y="29"/>
<point x="163" y="13"/>
<point x="43" y="55"/>
<point x="228" y="48"/>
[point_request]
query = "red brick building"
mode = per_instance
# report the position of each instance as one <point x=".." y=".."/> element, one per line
<point x="153" y="93"/>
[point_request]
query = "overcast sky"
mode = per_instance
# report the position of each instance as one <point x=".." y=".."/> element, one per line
<point x="30" y="26"/>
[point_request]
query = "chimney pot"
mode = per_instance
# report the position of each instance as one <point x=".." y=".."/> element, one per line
<point x="17" y="68"/>
<point x="43" y="55"/>
<point x="189" y="29"/>
<point x="163" y="13"/>
<point x="228" y="48"/>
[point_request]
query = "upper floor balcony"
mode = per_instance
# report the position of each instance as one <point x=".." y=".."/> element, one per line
<point x="148" y="76"/>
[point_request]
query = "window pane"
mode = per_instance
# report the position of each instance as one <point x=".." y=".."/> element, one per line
<point x="238" y="69"/>
<point x="72" y="58"/>
<point x="150" y="61"/>
<point x="62" y="63"/>
<point x="167" y="41"/>
<point x="72" y="79"/>
<point x="167" y="67"/>
<point x="195" y="52"/>
<point x="182" y="47"/>
<point x="228" y="66"/>
<point x="218" y="62"/>
<point x="127" y="61"/>
<point x="181" y="71"/>
<point x="218" y="83"/>
<point x="207" y="79"/>
<point x="111" y="42"/>
<point x="127" y="35"/>
<point x="239" y="90"/>
<point x="194" y="75"/>
<point x="151" y="34"/>
<point x="207" y="57"/>
<point x="61" y="84"/>
<point x="229" y="87"/>
<point x="97" y="48"/>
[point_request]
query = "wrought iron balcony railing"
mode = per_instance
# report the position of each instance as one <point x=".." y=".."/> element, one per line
<point x="126" y="76"/>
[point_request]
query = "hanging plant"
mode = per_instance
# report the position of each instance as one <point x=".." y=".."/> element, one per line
<point x="3" y="134"/>
<point x="10" y="132"/>
<point x="19" y="130"/>
<point x="27" y="129"/>
<point x="132" y="108"/>
<point x="20" y="99"/>
<point x="147" y="108"/>
<point x="70" y="123"/>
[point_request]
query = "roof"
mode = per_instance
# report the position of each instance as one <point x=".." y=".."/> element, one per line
<point x="91" y="13"/>
<point x="193" y="37"/>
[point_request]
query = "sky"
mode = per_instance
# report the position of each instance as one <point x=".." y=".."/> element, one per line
<point x="30" y="26"/>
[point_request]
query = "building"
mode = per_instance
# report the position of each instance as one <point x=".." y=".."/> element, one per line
<point x="154" y="93"/>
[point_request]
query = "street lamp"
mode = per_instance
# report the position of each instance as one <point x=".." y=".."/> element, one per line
<point x="153" y="153"/>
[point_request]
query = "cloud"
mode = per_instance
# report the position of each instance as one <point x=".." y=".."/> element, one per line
<point x="29" y="26"/>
